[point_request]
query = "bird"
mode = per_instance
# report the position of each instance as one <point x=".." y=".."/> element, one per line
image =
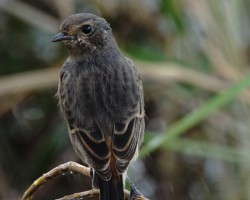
<point x="101" y="97"/>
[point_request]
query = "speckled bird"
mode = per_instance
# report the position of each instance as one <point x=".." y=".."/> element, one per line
<point x="101" y="98"/>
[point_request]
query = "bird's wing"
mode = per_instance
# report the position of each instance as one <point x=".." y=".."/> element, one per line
<point x="87" y="138"/>
<point x="127" y="136"/>
<point x="126" y="143"/>
<point x="91" y="146"/>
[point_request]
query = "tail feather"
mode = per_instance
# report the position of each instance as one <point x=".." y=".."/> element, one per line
<point x="112" y="189"/>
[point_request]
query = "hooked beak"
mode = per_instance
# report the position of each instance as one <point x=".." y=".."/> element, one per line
<point x="60" y="37"/>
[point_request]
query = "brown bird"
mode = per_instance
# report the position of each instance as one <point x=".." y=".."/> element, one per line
<point x="101" y="97"/>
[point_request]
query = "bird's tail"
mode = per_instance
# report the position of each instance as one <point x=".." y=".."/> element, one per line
<point x="112" y="189"/>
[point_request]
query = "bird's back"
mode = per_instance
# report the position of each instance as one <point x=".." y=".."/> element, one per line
<point x="101" y="97"/>
<point x="108" y="106"/>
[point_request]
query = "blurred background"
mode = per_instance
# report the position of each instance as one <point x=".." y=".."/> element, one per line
<point x="189" y="53"/>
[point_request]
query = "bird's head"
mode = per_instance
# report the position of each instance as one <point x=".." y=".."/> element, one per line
<point x="84" y="32"/>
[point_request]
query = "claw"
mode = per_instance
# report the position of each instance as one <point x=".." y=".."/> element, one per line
<point x="135" y="194"/>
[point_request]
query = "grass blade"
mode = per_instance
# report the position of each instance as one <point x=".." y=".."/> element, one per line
<point x="195" y="117"/>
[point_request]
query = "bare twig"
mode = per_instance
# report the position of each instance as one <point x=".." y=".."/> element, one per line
<point x="94" y="195"/>
<point x="60" y="170"/>
<point x="28" y="81"/>
<point x="91" y="195"/>
<point x="30" y="14"/>
<point x="162" y="73"/>
<point x="14" y="88"/>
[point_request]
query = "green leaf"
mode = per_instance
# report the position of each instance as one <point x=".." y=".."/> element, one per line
<point x="195" y="117"/>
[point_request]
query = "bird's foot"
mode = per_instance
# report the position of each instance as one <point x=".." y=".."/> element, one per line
<point x="135" y="194"/>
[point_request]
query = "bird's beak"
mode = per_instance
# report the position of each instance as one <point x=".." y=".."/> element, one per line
<point x="60" y="37"/>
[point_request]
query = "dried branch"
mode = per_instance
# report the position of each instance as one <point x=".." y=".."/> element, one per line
<point x="31" y="15"/>
<point x="14" y="88"/>
<point x="26" y="82"/>
<point x="90" y="195"/>
<point x="60" y="170"/>
<point x="163" y="73"/>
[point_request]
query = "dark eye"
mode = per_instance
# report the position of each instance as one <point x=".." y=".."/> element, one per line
<point x="87" y="29"/>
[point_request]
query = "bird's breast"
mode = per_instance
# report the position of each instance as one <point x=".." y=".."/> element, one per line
<point x="98" y="92"/>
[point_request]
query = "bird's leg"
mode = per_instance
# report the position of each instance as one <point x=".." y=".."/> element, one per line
<point x="135" y="194"/>
<point x="91" y="172"/>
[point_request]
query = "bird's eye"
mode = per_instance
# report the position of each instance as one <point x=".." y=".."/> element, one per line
<point x="87" y="29"/>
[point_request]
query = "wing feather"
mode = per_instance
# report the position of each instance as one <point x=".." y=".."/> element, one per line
<point x="95" y="152"/>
